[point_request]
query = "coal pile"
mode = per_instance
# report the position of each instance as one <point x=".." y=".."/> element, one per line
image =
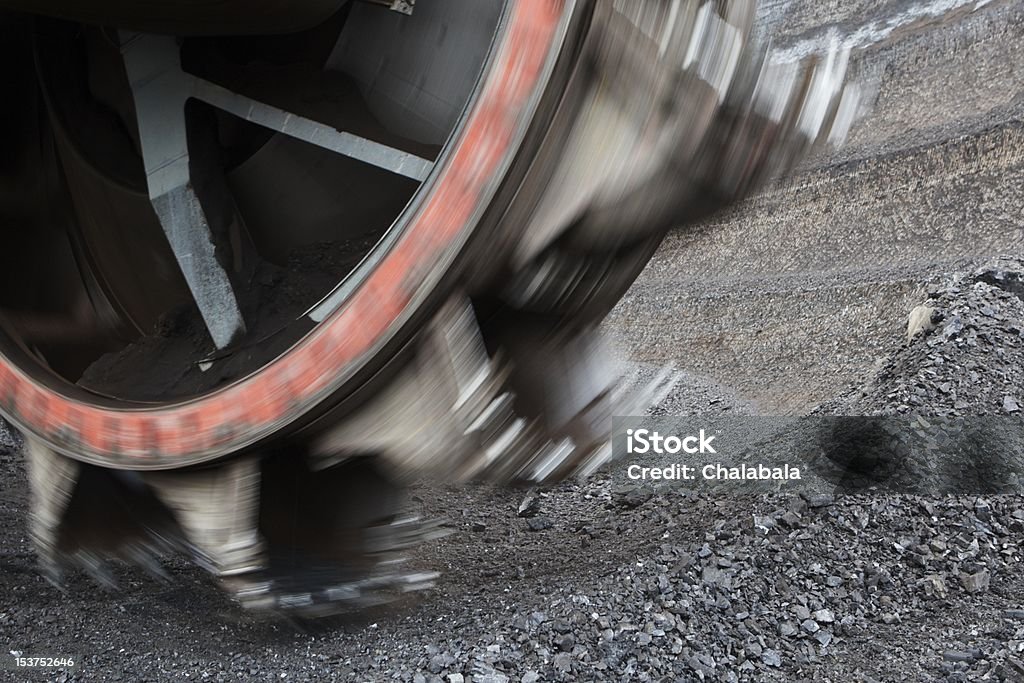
<point x="851" y="588"/>
<point x="943" y="414"/>
<point x="868" y="587"/>
<point x="965" y="353"/>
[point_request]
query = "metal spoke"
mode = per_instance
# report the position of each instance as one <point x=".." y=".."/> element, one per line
<point x="307" y="130"/>
<point x="161" y="88"/>
<point x="160" y="92"/>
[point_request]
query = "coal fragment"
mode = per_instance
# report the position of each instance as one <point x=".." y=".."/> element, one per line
<point x="632" y="496"/>
<point x="810" y="626"/>
<point x="977" y="582"/>
<point x="563" y="662"/>
<point x="824" y="616"/>
<point x="530" y="506"/>
<point x="539" y="523"/>
<point x="955" y="656"/>
<point x="566" y="642"/>
<point x="820" y="500"/>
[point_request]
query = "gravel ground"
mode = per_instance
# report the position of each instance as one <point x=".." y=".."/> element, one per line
<point x="601" y="582"/>
<point x="767" y="311"/>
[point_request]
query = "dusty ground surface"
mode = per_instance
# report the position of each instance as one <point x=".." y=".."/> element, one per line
<point x="798" y="297"/>
<point x="604" y="582"/>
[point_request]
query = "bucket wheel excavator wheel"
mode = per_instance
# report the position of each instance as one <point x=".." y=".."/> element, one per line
<point x="264" y="262"/>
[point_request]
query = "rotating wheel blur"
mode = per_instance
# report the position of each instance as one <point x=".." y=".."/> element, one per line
<point x="218" y="235"/>
<point x="213" y="240"/>
<point x="249" y="274"/>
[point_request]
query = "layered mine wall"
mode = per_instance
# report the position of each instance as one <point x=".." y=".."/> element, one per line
<point x="805" y="288"/>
